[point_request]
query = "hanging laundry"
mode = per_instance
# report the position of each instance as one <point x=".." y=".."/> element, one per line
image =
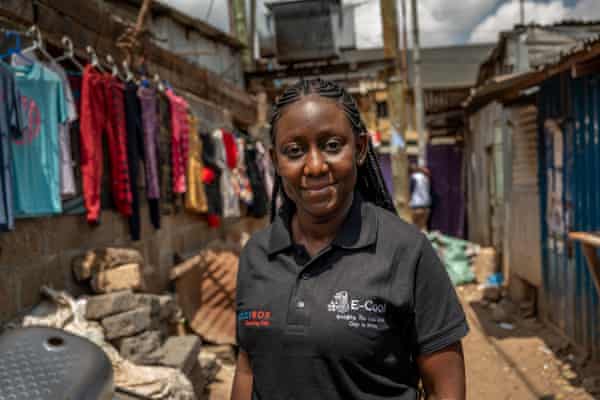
<point x="195" y="196"/>
<point x="211" y="178"/>
<point x="260" y="200"/>
<point x="180" y="144"/>
<point x="12" y="126"/>
<point x="103" y="112"/>
<point x="75" y="205"/>
<point x="35" y="156"/>
<point x="227" y="160"/>
<point x="67" y="177"/>
<point x="265" y="166"/>
<point x="246" y="195"/>
<point x="167" y="196"/>
<point x="135" y="154"/>
<point x="150" y="124"/>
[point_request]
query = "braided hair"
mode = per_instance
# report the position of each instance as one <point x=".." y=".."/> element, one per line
<point x="370" y="183"/>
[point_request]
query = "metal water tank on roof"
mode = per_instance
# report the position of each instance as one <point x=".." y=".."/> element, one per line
<point x="306" y="30"/>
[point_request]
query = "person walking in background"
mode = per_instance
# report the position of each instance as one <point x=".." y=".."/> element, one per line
<point x="420" y="196"/>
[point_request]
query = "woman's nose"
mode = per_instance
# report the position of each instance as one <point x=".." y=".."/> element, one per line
<point x="315" y="164"/>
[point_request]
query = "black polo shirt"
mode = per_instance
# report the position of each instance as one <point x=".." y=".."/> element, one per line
<point x="349" y="322"/>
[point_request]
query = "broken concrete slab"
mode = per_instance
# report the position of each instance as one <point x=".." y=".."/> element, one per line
<point x="98" y="260"/>
<point x="142" y="349"/>
<point x="128" y="323"/>
<point x="105" y="305"/>
<point x="162" y="306"/>
<point x="181" y="352"/>
<point x="128" y="276"/>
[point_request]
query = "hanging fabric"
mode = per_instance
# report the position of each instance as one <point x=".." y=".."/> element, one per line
<point x="67" y="176"/>
<point x="35" y="160"/>
<point x="168" y="199"/>
<point x="227" y="156"/>
<point x="150" y="124"/>
<point x="135" y="154"/>
<point x="180" y="140"/>
<point x="12" y="127"/>
<point x="195" y="197"/>
<point x="103" y="112"/>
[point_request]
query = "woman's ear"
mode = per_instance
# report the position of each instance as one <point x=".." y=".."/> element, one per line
<point x="362" y="146"/>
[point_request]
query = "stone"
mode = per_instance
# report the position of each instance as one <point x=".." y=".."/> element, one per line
<point x="210" y="365"/>
<point x="141" y="349"/>
<point x="98" y="260"/>
<point x="128" y="276"/>
<point x="181" y="352"/>
<point x="162" y="306"/>
<point x="105" y="305"/>
<point x="128" y="323"/>
<point x="198" y="380"/>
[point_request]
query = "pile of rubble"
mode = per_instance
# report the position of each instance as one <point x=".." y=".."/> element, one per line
<point x="143" y="334"/>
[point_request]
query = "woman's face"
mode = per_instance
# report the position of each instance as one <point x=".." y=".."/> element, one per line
<point x="317" y="155"/>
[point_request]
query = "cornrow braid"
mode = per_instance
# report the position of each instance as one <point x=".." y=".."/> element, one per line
<point x="370" y="183"/>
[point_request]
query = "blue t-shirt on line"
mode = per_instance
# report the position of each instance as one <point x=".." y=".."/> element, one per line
<point x="36" y="155"/>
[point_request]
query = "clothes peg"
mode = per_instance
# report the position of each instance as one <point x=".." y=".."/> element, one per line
<point x="158" y="83"/>
<point x="111" y="63"/>
<point x="128" y="74"/>
<point x="69" y="53"/>
<point x="94" y="58"/>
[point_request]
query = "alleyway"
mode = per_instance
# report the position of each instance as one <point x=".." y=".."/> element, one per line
<point x="527" y="363"/>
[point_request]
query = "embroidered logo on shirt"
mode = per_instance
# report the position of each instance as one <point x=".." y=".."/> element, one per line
<point x="358" y="312"/>
<point x="258" y="318"/>
<point x="339" y="303"/>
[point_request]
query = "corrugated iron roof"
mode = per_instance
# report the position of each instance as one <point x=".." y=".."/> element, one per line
<point x="561" y="60"/>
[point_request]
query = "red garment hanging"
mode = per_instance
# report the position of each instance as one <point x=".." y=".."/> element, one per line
<point x="231" y="150"/>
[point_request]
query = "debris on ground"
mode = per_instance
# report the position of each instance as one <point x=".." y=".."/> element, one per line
<point x="144" y="334"/>
<point x="456" y="255"/>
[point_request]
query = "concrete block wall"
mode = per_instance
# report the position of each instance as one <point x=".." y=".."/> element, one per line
<point x="40" y="250"/>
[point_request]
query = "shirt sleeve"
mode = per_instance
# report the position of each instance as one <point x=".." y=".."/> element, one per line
<point x="61" y="104"/>
<point x="439" y="318"/>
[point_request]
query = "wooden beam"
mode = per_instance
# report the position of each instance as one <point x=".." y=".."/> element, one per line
<point x="579" y="70"/>
<point x="17" y="10"/>
<point x="590" y="243"/>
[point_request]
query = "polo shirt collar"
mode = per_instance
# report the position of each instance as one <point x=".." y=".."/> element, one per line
<point x="358" y="230"/>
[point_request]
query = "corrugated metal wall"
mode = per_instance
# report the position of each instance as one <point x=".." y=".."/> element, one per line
<point x="481" y="140"/>
<point x="569" y="146"/>
<point x="523" y="224"/>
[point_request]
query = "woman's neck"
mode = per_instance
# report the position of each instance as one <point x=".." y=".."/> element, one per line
<point x="317" y="233"/>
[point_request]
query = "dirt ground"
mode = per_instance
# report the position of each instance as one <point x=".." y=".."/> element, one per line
<point x="527" y="362"/>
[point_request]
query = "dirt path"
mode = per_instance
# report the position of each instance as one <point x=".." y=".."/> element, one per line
<point x="528" y="362"/>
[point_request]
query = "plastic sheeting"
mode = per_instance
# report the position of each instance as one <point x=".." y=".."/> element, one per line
<point x="456" y="255"/>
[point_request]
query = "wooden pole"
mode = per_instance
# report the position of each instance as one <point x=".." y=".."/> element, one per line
<point x="396" y="87"/>
<point x="418" y="88"/>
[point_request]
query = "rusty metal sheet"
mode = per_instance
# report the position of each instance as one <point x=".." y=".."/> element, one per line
<point x="206" y="286"/>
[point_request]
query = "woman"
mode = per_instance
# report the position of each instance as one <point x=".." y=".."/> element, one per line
<point x="338" y="298"/>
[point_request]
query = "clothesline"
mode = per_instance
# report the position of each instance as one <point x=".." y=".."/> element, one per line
<point x="56" y="120"/>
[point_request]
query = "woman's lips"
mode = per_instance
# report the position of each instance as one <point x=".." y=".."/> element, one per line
<point x="318" y="190"/>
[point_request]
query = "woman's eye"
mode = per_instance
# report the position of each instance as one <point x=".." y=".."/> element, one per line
<point x="293" y="151"/>
<point x="333" y="146"/>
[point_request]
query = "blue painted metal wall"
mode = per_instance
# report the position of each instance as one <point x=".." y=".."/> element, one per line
<point x="570" y="201"/>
